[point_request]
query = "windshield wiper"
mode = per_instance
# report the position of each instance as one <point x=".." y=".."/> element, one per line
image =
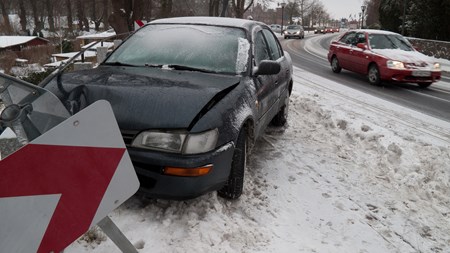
<point x="153" y="65"/>
<point x="118" y="63"/>
<point x="182" y="67"/>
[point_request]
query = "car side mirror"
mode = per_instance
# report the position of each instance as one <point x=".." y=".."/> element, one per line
<point x="362" y="46"/>
<point x="267" y="67"/>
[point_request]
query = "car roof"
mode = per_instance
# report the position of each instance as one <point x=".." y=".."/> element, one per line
<point x="375" y="31"/>
<point x="215" y="21"/>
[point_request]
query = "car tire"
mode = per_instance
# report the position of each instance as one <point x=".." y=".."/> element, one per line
<point x="285" y="37"/>
<point x="335" y="66"/>
<point x="235" y="183"/>
<point x="374" y="75"/>
<point x="281" y="118"/>
<point x="424" y="85"/>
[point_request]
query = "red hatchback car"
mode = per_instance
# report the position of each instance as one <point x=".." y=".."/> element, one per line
<point x="382" y="56"/>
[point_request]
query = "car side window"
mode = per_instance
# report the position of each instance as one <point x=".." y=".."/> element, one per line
<point x="261" y="49"/>
<point x="360" y="38"/>
<point x="275" y="50"/>
<point x="349" y="38"/>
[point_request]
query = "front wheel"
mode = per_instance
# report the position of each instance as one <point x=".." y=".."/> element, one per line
<point x="335" y="66"/>
<point x="235" y="183"/>
<point x="374" y="75"/>
<point x="424" y="85"/>
<point x="281" y="118"/>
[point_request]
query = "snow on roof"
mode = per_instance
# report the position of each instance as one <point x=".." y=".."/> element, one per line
<point x="55" y="64"/>
<point x="9" y="41"/>
<point x="105" y="44"/>
<point x="72" y="54"/>
<point x="96" y="36"/>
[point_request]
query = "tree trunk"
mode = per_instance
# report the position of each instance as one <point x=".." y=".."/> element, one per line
<point x="37" y="21"/>
<point x="166" y="8"/>
<point x="119" y="18"/>
<point x="69" y="16"/>
<point x="224" y="8"/>
<point x="7" y="24"/>
<point x="83" y="23"/>
<point x="23" y="16"/>
<point x="239" y="7"/>
<point x="105" y="15"/>
<point x="51" y="21"/>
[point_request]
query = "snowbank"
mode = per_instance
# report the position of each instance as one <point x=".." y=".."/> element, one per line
<point x="351" y="173"/>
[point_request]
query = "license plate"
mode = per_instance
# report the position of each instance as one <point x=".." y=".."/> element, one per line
<point x="421" y="73"/>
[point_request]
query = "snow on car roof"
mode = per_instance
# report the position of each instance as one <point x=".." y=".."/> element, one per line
<point x="220" y="21"/>
<point x="374" y="31"/>
<point x="8" y="41"/>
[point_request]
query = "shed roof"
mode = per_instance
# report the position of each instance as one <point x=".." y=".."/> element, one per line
<point x="9" y="41"/>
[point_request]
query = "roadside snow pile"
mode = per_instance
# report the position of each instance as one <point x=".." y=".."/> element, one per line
<point x="26" y="71"/>
<point x="351" y="173"/>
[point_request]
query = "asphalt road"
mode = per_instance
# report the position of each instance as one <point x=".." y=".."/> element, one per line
<point x="311" y="54"/>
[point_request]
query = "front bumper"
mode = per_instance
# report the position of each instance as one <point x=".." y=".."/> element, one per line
<point x="149" y="166"/>
<point x="408" y="76"/>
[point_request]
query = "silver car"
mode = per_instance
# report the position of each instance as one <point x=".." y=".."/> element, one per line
<point x="295" y="31"/>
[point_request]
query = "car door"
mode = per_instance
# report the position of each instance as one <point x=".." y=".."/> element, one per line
<point x="343" y="48"/>
<point x="280" y="80"/>
<point x="358" y="57"/>
<point x="263" y="83"/>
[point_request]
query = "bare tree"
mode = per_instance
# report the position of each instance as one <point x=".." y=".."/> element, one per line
<point x="124" y="14"/>
<point x="239" y="7"/>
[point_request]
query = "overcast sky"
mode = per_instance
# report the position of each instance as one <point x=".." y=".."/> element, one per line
<point x="336" y="8"/>
<point x="342" y="8"/>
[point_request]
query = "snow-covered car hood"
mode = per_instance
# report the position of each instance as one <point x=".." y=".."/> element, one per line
<point x="403" y="56"/>
<point x="145" y="98"/>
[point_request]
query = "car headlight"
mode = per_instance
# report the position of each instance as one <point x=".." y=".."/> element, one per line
<point x="297" y="32"/>
<point x="177" y="142"/>
<point x="395" y="64"/>
<point x="437" y="66"/>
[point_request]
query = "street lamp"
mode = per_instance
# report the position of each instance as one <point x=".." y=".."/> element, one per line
<point x="359" y="20"/>
<point x="363" y="8"/>
<point x="283" y="4"/>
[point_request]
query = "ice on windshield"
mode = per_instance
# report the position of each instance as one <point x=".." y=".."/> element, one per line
<point x="242" y="55"/>
<point x="211" y="48"/>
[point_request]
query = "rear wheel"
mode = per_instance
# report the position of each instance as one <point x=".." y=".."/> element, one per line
<point x="374" y="75"/>
<point x="424" y="85"/>
<point x="235" y="183"/>
<point x="335" y="66"/>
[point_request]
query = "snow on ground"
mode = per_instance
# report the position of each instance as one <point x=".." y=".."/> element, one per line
<point x="351" y="173"/>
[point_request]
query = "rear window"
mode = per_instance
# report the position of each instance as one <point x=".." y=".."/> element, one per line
<point x="212" y="48"/>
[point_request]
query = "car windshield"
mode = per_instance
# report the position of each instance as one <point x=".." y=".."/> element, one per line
<point x="389" y="41"/>
<point x="293" y="27"/>
<point x="188" y="47"/>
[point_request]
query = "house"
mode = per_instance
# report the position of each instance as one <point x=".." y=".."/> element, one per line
<point x="17" y="43"/>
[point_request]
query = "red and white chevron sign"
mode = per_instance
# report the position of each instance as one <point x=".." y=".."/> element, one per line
<point x="65" y="181"/>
